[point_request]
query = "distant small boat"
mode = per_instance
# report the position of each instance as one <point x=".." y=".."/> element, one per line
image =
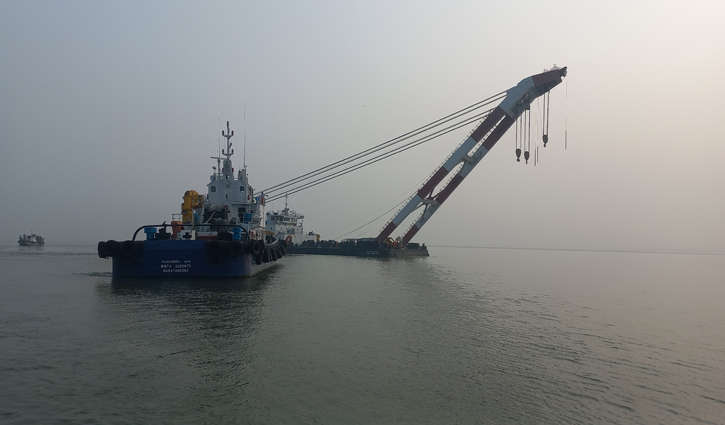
<point x="31" y="240"/>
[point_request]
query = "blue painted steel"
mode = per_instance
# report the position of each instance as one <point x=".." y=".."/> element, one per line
<point x="184" y="258"/>
<point x="150" y="231"/>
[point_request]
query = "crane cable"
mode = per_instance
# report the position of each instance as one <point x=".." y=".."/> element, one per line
<point x="545" y="124"/>
<point x="378" y="158"/>
<point x="371" y="151"/>
<point x="384" y="145"/>
<point x="516" y="141"/>
<point x="373" y="220"/>
<point x="378" y="210"/>
<point x="566" y="113"/>
<point x="528" y="137"/>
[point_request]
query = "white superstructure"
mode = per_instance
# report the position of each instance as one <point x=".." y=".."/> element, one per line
<point x="287" y="225"/>
<point x="230" y="200"/>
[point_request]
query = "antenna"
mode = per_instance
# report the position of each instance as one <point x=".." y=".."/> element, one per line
<point x="218" y="128"/>
<point x="244" y="135"/>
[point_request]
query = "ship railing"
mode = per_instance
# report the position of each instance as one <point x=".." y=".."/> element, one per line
<point x="219" y="227"/>
<point x="402" y="205"/>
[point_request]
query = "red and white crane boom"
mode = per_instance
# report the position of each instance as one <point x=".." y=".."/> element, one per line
<point x="518" y="99"/>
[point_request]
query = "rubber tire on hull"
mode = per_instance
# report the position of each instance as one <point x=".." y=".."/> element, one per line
<point x="255" y="247"/>
<point x="235" y="249"/>
<point x="128" y="249"/>
<point x="102" y="249"/>
<point x="111" y="248"/>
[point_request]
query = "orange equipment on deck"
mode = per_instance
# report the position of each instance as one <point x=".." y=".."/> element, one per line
<point x="192" y="201"/>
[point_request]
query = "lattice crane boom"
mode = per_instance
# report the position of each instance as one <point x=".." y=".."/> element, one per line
<point x="466" y="156"/>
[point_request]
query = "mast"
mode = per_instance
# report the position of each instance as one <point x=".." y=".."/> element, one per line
<point x="464" y="158"/>
<point x="244" y="138"/>
<point x="229" y="150"/>
<point x="227" y="170"/>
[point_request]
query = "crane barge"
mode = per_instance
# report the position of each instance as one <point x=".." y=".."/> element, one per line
<point x="458" y="166"/>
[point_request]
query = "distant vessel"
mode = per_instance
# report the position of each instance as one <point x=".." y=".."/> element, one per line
<point x="286" y="225"/>
<point x="220" y="234"/>
<point x="31" y="240"/>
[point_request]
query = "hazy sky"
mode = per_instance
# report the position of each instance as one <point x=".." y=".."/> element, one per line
<point x="108" y="114"/>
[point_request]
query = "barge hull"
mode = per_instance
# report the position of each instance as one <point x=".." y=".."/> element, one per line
<point x="179" y="258"/>
<point x="354" y="252"/>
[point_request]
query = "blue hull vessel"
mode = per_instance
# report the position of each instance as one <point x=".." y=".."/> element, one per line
<point x="222" y="233"/>
<point x="180" y="258"/>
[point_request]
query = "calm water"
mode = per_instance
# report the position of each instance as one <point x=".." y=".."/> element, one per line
<point x="466" y="336"/>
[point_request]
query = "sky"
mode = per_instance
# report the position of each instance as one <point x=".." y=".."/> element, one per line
<point x="110" y="111"/>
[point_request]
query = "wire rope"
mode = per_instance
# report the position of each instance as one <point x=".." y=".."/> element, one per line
<point x="380" y="157"/>
<point x="379" y="209"/>
<point x="384" y="145"/>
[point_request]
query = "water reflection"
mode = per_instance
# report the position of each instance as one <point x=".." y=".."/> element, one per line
<point x="132" y="286"/>
<point x="191" y="300"/>
<point x="514" y="336"/>
<point x="180" y="286"/>
<point x="195" y="337"/>
<point x="210" y="320"/>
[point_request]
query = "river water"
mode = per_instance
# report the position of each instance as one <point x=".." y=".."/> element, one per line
<point x="465" y="336"/>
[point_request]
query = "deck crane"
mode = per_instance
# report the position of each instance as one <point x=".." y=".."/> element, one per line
<point x="470" y="152"/>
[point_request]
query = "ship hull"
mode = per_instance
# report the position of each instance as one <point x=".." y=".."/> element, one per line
<point x="179" y="258"/>
<point x="29" y="243"/>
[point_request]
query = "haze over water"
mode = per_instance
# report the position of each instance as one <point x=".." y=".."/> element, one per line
<point x="110" y="112"/>
<point x="467" y="335"/>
